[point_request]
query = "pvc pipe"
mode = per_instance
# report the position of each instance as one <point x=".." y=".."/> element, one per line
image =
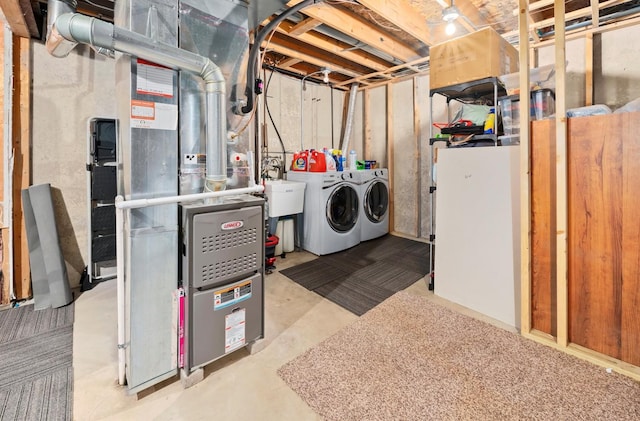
<point x="122" y="358"/>
<point x="187" y="198"/>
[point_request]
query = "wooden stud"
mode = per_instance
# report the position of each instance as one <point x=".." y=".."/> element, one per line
<point x="21" y="168"/>
<point x="595" y="14"/>
<point x="386" y="72"/>
<point x="525" y="181"/>
<point x="599" y="30"/>
<point x="304" y="26"/>
<point x="588" y="69"/>
<point x="5" y="279"/>
<point x="390" y="155"/>
<point x="285" y="64"/>
<point x="561" y="176"/>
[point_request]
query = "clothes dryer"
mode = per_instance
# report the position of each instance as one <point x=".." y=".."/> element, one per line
<point x="374" y="195"/>
<point x="331" y="215"/>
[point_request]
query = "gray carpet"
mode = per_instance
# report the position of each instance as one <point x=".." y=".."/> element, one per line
<point x="411" y="359"/>
<point x="363" y="276"/>
<point x="36" y="374"/>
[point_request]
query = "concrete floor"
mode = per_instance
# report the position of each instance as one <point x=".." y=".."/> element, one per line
<point x="240" y="386"/>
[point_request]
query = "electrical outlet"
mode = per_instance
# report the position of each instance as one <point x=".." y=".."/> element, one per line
<point x="191" y="158"/>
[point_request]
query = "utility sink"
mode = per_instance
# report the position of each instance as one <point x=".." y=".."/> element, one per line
<point x="285" y="197"/>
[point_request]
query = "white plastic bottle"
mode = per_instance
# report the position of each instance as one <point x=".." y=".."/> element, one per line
<point x="331" y="163"/>
<point x="352" y="159"/>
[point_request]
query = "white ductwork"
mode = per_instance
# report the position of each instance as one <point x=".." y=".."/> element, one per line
<point x="68" y="29"/>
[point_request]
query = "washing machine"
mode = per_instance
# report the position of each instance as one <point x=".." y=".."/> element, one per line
<point x="331" y="216"/>
<point x="374" y="196"/>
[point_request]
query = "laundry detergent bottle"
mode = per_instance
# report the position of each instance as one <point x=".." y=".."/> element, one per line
<point x="317" y="161"/>
<point x="331" y="163"/>
<point x="300" y="161"/>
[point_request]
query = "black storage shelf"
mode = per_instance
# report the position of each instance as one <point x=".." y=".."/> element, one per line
<point x="477" y="138"/>
<point x="481" y="91"/>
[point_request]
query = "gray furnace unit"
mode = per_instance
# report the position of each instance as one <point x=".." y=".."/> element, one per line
<point x="222" y="274"/>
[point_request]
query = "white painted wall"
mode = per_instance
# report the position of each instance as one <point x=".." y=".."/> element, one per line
<point x="66" y="94"/>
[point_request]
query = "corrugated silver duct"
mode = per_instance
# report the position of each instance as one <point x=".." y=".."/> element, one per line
<point x="349" y="123"/>
<point x="72" y="27"/>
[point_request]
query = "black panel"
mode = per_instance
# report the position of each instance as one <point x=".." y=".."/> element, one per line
<point x="104" y="147"/>
<point x="103" y="183"/>
<point x="103" y="248"/>
<point x="103" y="219"/>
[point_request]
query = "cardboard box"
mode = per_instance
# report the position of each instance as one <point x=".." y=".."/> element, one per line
<point x="481" y="54"/>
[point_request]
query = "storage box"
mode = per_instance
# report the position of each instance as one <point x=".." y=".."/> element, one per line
<point x="285" y="197"/>
<point x="481" y="54"/>
<point x="543" y="102"/>
<point x="542" y="77"/>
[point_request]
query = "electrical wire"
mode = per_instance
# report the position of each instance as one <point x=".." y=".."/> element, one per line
<point x="266" y="105"/>
<point x="99" y="6"/>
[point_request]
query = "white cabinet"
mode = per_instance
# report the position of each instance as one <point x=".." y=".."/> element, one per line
<point x="477" y="241"/>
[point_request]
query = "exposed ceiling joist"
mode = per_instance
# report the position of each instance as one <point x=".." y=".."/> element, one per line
<point x="403" y="15"/>
<point x="595" y="13"/>
<point x="309" y="58"/>
<point x="359" y="29"/>
<point x="336" y="47"/>
<point x="20" y="17"/>
<point x="304" y="26"/>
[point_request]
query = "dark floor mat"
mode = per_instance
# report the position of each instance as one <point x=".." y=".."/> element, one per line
<point x="363" y="276"/>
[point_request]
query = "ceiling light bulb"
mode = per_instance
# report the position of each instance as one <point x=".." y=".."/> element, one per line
<point x="326" y="72"/>
<point x="450" y="29"/>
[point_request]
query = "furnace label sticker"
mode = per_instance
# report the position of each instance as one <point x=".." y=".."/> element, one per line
<point x="232" y="295"/>
<point x="153" y="79"/>
<point x="153" y="115"/>
<point x="234" y="330"/>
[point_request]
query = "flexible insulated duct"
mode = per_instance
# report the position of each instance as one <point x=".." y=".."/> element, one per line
<point x="77" y="28"/>
<point x="349" y="123"/>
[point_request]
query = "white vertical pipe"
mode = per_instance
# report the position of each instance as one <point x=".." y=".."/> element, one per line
<point x="120" y="287"/>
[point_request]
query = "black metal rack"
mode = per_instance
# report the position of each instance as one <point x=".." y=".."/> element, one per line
<point x="484" y="91"/>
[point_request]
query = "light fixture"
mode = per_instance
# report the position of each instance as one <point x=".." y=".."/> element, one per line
<point x="325" y="72"/>
<point x="449" y="14"/>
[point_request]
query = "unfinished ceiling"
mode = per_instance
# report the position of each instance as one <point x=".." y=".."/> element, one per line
<point x="374" y="41"/>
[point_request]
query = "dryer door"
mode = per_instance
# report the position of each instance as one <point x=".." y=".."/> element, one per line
<point x="376" y="201"/>
<point x="342" y="208"/>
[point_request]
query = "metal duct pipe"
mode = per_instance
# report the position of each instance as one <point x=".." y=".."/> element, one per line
<point x="57" y="45"/>
<point x="349" y="123"/>
<point x="87" y="30"/>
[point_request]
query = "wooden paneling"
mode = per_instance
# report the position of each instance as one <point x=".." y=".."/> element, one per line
<point x="543" y="226"/>
<point x="604" y="232"/>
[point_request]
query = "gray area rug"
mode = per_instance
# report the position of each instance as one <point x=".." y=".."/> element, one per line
<point x="412" y="359"/>
<point x="363" y="276"/>
<point x="36" y="374"/>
